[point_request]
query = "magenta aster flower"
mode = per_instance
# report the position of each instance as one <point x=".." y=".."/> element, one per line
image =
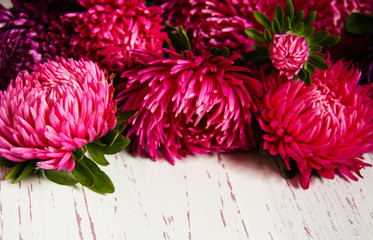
<point x="325" y="127"/>
<point x="288" y="53"/>
<point x="60" y="107"/>
<point x="28" y="40"/>
<point x="189" y="104"/>
<point x="108" y="29"/>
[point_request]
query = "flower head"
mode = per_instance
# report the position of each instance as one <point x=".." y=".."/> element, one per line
<point x="189" y="104"/>
<point x="288" y="54"/>
<point x="108" y="29"/>
<point x="26" y="40"/>
<point x="325" y="127"/>
<point x="60" y="107"/>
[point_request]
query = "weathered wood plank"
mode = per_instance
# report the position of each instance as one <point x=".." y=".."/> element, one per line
<point x="218" y="196"/>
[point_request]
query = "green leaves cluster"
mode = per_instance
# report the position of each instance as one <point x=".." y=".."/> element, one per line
<point x="297" y="24"/>
<point x="86" y="170"/>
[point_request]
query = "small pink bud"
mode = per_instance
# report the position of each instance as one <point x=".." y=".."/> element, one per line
<point x="288" y="53"/>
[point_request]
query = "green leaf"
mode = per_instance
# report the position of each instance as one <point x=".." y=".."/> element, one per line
<point x="168" y="27"/>
<point x="60" y="177"/>
<point x="262" y="19"/>
<point x="308" y="80"/>
<point x="268" y="36"/>
<point x="307" y="31"/>
<point x="287" y="24"/>
<point x="125" y="116"/>
<point x="298" y="28"/>
<point x="6" y="163"/>
<point x="148" y="3"/>
<point x="298" y="18"/>
<point x="269" y="70"/>
<point x="318" y="62"/>
<point x="99" y="143"/>
<point x="315" y="48"/>
<point x="82" y="173"/>
<point x="96" y="154"/>
<point x="119" y="145"/>
<point x="330" y="41"/>
<point x="291" y="173"/>
<point x="317" y="37"/>
<point x="78" y="153"/>
<point x="358" y="23"/>
<point x="261" y="150"/>
<point x="17" y="170"/>
<point x="309" y="19"/>
<point x="309" y="67"/>
<point x="255" y="35"/>
<point x="276" y="26"/>
<point x="119" y="128"/>
<point x="260" y="48"/>
<point x="279" y="14"/>
<point x="180" y="40"/>
<point x="102" y="184"/>
<point x="26" y="171"/>
<point x="166" y="44"/>
<point x="222" y="52"/>
<point x="289" y="9"/>
<point x="109" y="137"/>
<point x="302" y="74"/>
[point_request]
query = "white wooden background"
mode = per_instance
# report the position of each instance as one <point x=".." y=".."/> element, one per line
<point x="217" y="196"/>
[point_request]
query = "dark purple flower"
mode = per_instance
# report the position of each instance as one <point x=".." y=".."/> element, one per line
<point x="26" y="40"/>
<point x="49" y="7"/>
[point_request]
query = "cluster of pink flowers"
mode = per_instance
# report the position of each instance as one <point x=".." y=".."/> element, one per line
<point x="222" y="82"/>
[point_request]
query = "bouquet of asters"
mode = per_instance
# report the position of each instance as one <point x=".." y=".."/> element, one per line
<point x="293" y="80"/>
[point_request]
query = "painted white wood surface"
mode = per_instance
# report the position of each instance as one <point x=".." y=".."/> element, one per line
<point x="217" y="196"/>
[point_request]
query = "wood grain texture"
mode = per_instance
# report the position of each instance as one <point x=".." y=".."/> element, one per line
<point x="217" y="196"/>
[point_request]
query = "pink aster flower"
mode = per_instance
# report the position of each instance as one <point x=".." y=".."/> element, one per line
<point x="325" y="127"/>
<point x="108" y="29"/>
<point x="288" y="53"/>
<point x="189" y="104"/>
<point x="61" y="106"/>
<point x="26" y="40"/>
